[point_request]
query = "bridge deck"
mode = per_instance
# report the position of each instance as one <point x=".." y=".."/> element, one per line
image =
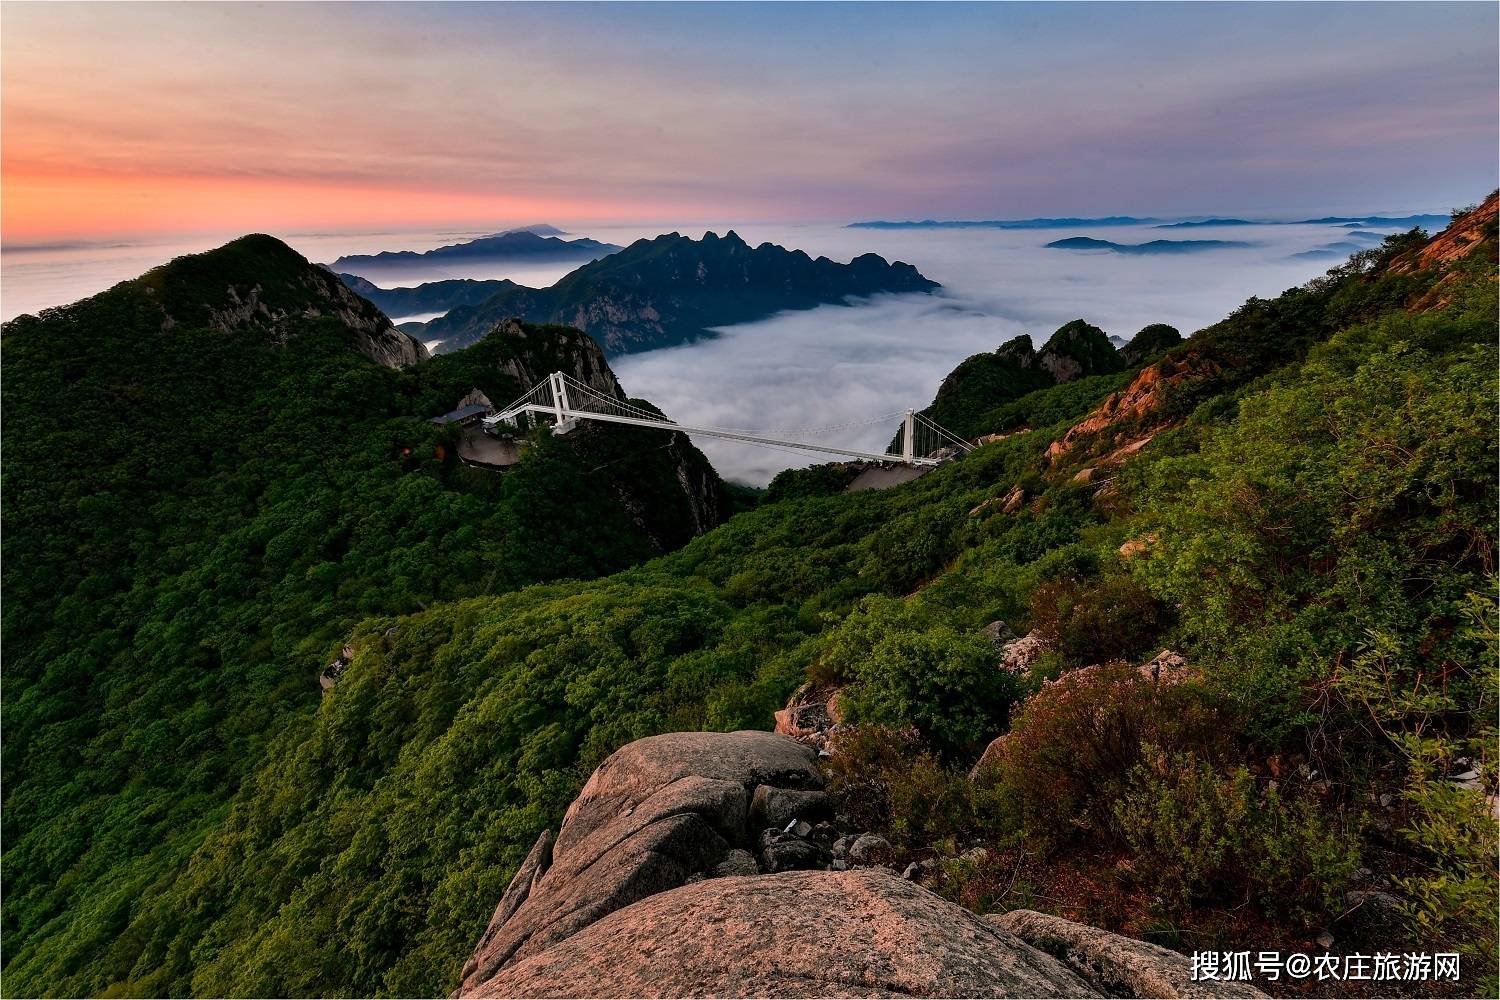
<point x="566" y="400"/>
<point x="689" y="429"/>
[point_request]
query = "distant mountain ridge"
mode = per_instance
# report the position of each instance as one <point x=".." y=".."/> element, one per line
<point x="1400" y="221"/>
<point x="517" y="245"/>
<point x="1152" y="247"/>
<point x="1403" y="221"/>
<point x="1061" y="223"/>
<point x="428" y="297"/>
<point x="673" y="289"/>
<point x="1195" y="223"/>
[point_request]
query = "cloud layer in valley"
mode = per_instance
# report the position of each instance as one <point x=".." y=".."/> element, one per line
<point x="835" y="364"/>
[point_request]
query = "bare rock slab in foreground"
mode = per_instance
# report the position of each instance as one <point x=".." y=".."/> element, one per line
<point x="647" y="891"/>
<point x="797" y="934"/>
<point x="657" y="813"/>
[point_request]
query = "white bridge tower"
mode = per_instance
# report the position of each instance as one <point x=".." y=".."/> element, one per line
<point x="566" y="401"/>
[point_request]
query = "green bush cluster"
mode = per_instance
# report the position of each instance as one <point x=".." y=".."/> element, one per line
<point x="906" y="666"/>
<point x="1200" y="834"/>
<point x="1073" y="745"/>
<point x="887" y="780"/>
<point x="1099" y="620"/>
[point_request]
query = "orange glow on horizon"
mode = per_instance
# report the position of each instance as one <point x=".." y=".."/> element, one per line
<point x="59" y="204"/>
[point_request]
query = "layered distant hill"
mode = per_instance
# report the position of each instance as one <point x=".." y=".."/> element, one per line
<point x="1064" y="223"/>
<point x="1391" y="222"/>
<point x="1153" y="247"/>
<point x="1354" y="240"/>
<point x="1196" y="223"/>
<point x="673" y="289"/>
<point x="1381" y="221"/>
<point x="429" y="297"/>
<point x="516" y="246"/>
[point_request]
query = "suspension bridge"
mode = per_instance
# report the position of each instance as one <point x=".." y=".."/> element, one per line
<point x="565" y="401"/>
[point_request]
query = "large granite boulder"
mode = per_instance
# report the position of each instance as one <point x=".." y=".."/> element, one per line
<point x="797" y="934"/>
<point x="649" y="890"/>
<point x="658" y="812"/>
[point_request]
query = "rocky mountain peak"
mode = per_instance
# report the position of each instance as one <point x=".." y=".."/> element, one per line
<point x="1018" y="351"/>
<point x="1079" y="349"/>
<point x="259" y="283"/>
<point x="674" y="289"/>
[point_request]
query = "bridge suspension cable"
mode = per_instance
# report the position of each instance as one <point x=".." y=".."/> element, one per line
<point x="566" y="400"/>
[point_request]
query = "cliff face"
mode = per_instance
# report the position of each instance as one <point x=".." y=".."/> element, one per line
<point x="1078" y="349"/>
<point x="528" y="354"/>
<point x="1137" y="411"/>
<point x="1467" y="233"/>
<point x="665" y="485"/>
<point x="670" y="290"/>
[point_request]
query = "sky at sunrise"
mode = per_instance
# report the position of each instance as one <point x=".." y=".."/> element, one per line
<point x="126" y="120"/>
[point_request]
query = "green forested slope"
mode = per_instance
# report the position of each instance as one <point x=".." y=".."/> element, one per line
<point x="1316" y="506"/>
<point x="196" y="515"/>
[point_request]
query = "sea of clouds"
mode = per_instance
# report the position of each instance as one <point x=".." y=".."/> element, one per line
<point x="838" y="363"/>
<point x="833" y="364"/>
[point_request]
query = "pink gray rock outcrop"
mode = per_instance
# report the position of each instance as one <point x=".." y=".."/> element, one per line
<point x="647" y="891"/>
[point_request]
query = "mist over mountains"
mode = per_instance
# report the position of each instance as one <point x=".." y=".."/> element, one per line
<point x="520" y="245"/>
<point x="1149" y="247"/>
<point x="673" y="289"/>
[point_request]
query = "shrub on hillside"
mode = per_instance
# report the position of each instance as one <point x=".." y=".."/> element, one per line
<point x="1201" y="834"/>
<point x="912" y="548"/>
<point x="887" y="781"/>
<point x="1098" y="620"/>
<point x="816" y="481"/>
<point x="1450" y="824"/>
<point x="1358" y="501"/>
<point x="907" y="666"/>
<point x="1070" y="751"/>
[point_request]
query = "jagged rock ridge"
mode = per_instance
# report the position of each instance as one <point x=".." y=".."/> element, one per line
<point x="672" y="289"/>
